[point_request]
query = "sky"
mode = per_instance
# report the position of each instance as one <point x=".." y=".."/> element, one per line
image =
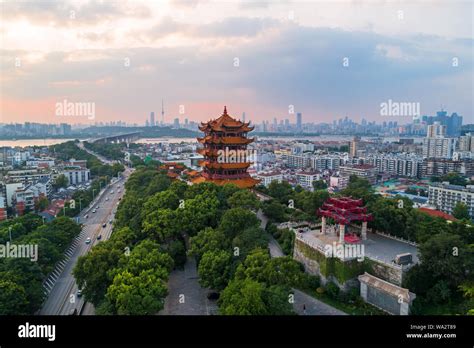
<point x="325" y="59"/>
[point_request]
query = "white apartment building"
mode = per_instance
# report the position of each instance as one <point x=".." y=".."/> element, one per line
<point x="267" y="178"/>
<point x="299" y="161"/>
<point x="365" y="171"/>
<point x="77" y="176"/>
<point x="438" y="147"/>
<point x="323" y="162"/>
<point x="445" y="197"/>
<point x="306" y="178"/>
<point x="29" y="176"/>
<point x="400" y="165"/>
<point x="466" y="143"/>
<point x="40" y="162"/>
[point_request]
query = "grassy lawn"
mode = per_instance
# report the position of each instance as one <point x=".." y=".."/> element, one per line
<point x="359" y="307"/>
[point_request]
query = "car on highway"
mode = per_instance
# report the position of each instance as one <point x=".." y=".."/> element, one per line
<point x="86" y="216"/>
<point x="112" y="192"/>
<point x="107" y="198"/>
<point x="79" y="292"/>
<point x="99" y="237"/>
<point x="119" y="191"/>
<point x="88" y="240"/>
<point x="104" y="225"/>
<point x="94" y="211"/>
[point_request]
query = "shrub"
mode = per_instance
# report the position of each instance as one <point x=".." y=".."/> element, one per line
<point x="332" y="290"/>
<point x="309" y="281"/>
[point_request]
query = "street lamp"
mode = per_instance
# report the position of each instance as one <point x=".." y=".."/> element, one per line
<point x="80" y="205"/>
<point x="10" y="232"/>
<point x="93" y="190"/>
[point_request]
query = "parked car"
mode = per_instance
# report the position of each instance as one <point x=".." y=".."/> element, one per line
<point x="93" y="211"/>
<point x="79" y="292"/>
<point x="99" y="237"/>
<point x="88" y="240"/>
<point x="86" y="216"/>
<point x="104" y="225"/>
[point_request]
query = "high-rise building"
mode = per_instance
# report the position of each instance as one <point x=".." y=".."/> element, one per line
<point x="435" y="145"/>
<point x="299" y="121"/>
<point x="466" y="142"/>
<point x="354" y="146"/>
<point x="436" y="130"/>
<point x="152" y="119"/>
<point x="162" y="113"/>
<point x="176" y="123"/>
<point x="453" y="123"/>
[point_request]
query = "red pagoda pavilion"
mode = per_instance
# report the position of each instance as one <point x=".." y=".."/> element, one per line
<point x="225" y="151"/>
<point x="343" y="211"/>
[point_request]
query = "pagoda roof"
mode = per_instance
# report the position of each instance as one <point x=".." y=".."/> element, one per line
<point x="225" y="140"/>
<point x="217" y="165"/>
<point x="225" y="122"/>
<point x="241" y="183"/>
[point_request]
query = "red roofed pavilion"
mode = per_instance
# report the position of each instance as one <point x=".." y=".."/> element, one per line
<point x="344" y="210"/>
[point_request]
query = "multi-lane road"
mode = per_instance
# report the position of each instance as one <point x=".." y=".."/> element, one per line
<point x="63" y="298"/>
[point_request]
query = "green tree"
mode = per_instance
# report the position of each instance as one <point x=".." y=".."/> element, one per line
<point x="249" y="239"/>
<point x="214" y="269"/>
<point x="92" y="271"/>
<point x="60" y="181"/>
<point x="140" y="294"/>
<point x="13" y="299"/>
<point x="208" y="239"/>
<point x="244" y="199"/>
<point x="198" y="213"/>
<point x="359" y="188"/>
<point x="461" y="211"/>
<point x="236" y="220"/>
<point x="42" y="204"/>
<point x="319" y="185"/>
<point x="276" y="300"/>
<point x="454" y="179"/>
<point x="281" y="191"/>
<point x="243" y="297"/>
<point x="274" y="210"/>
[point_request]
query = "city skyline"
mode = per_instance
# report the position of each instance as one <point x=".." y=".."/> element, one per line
<point x="261" y="58"/>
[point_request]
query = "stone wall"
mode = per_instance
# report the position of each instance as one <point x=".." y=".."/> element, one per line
<point x="344" y="273"/>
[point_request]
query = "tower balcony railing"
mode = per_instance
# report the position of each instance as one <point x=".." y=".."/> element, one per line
<point x="224" y="176"/>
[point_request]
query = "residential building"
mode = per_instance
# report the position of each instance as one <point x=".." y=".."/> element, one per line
<point x="267" y="178"/>
<point x="444" y="197"/>
<point x="366" y="171"/>
<point x="306" y="178"/>
<point x="77" y="175"/>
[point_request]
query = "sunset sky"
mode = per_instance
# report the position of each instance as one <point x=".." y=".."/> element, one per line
<point x="127" y="56"/>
